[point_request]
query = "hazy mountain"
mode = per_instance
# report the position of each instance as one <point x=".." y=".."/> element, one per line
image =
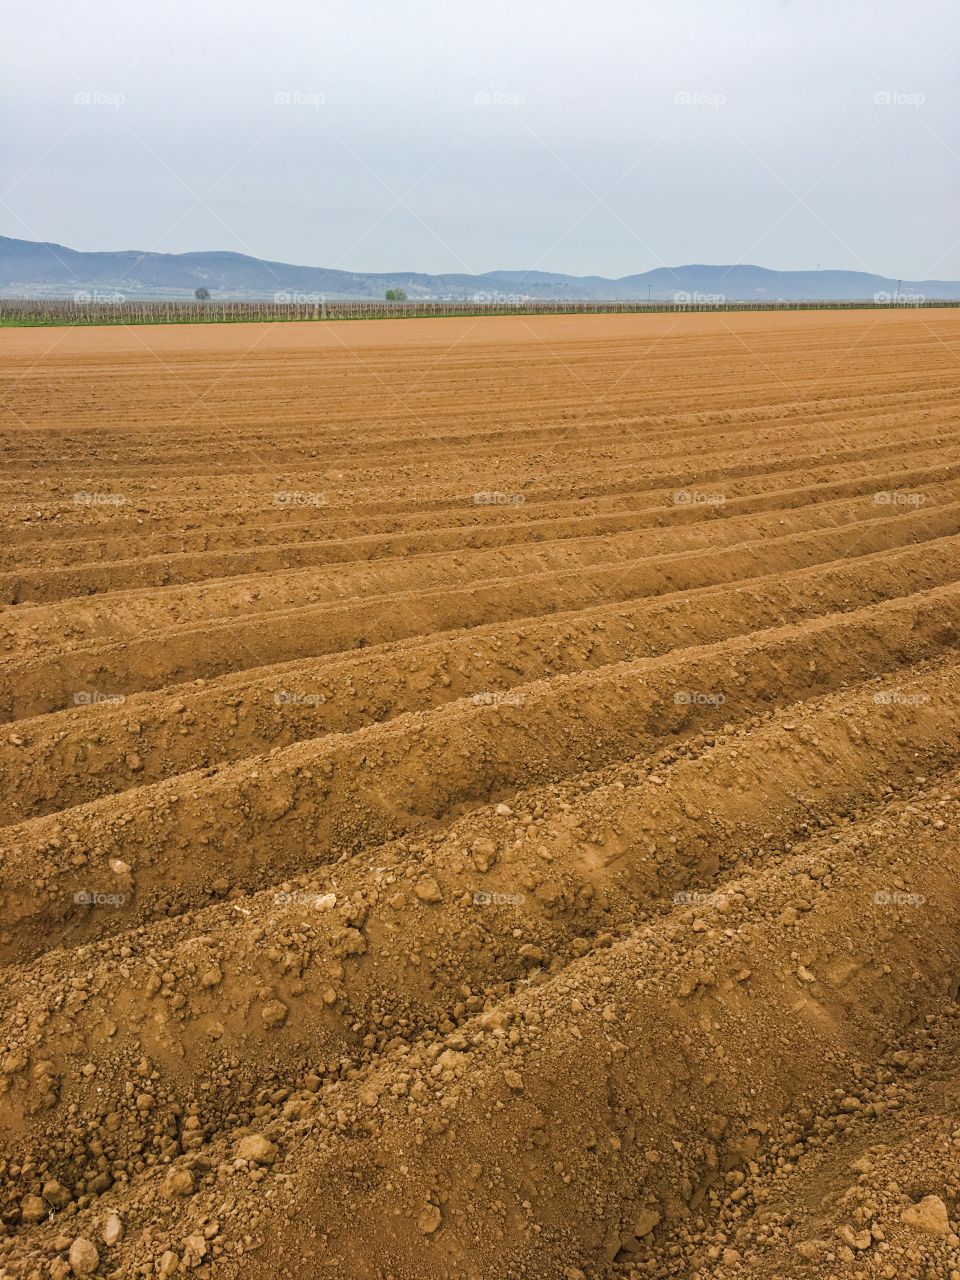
<point x="32" y="269"/>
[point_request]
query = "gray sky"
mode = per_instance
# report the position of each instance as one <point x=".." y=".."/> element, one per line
<point x="596" y="136"/>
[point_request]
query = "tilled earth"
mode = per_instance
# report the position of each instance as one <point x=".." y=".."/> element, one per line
<point x="480" y="799"/>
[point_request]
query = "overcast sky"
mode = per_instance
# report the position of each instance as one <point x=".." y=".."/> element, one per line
<point x="596" y="136"/>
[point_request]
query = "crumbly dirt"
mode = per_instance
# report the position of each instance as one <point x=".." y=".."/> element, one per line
<point x="560" y="886"/>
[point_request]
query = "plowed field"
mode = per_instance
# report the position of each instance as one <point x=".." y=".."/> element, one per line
<point x="479" y="799"/>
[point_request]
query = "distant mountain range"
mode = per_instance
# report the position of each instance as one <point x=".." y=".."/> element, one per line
<point x="30" y="269"/>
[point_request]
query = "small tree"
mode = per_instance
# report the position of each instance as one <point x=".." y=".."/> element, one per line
<point x="395" y="295"/>
<point x="202" y="294"/>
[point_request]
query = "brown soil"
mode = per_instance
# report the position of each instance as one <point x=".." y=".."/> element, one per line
<point x="561" y="887"/>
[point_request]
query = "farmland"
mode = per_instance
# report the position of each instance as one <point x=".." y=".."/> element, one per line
<point x="99" y="308"/>
<point x="480" y="797"/>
